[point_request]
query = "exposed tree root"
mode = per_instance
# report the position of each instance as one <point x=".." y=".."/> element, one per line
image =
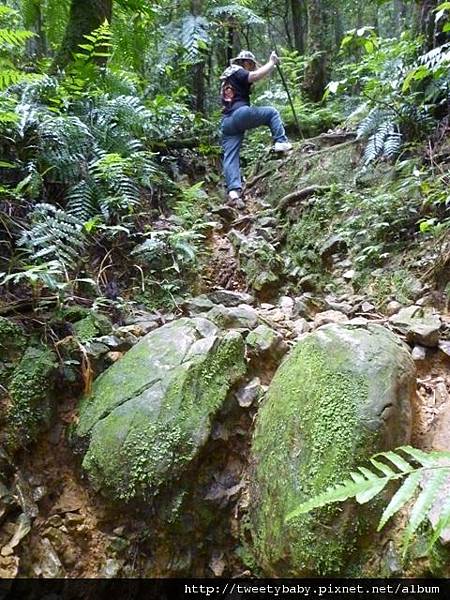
<point x="332" y="138"/>
<point x="302" y="194"/>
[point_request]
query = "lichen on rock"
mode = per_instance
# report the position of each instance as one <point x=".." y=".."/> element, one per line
<point x="342" y="394"/>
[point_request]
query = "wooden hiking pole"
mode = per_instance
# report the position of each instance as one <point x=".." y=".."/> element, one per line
<point x="284" y="82"/>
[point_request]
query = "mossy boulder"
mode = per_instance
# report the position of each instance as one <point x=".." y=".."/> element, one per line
<point x="151" y="413"/>
<point x="92" y="326"/>
<point x="341" y="395"/>
<point x="12" y="345"/>
<point x="30" y="390"/>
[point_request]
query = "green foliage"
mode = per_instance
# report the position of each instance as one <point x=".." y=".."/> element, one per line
<point x="56" y="235"/>
<point x="401" y="87"/>
<point x="81" y="164"/>
<point x="430" y="470"/>
<point x="190" y="208"/>
<point x="237" y="12"/>
<point x="12" y="43"/>
<point x="364" y="37"/>
<point x="384" y="139"/>
<point x="170" y="250"/>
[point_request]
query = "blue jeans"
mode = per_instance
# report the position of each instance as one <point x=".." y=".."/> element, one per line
<point x="234" y="127"/>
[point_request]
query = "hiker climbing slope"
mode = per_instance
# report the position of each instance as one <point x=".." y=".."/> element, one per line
<point x="239" y="116"/>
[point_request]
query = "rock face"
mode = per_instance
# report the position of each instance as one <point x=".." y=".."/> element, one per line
<point x="150" y="414"/>
<point x="341" y="395"/>
<point x="27" y="381"/>
<point x="420" y="325"/>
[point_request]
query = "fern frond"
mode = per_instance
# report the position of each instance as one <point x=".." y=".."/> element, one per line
<point x="65" y="142"/>
<point x="392" y="144"/>
<point x="431" y="470"/>
<point x="238" y="12"/>
<point x="436" y="57"/>
<point x="371" y="123"/>
<point x="400" y="498"/>
<point x="81" y="201"/>
<point x="424" y="502"/>
<point x="14" y="38"/>
<point x="194" y="37"/>
<point x="385" y="140"/>
<point x="443" y="522"/>
<point x="54" y="235"/>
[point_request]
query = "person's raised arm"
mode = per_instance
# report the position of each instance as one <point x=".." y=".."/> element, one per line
<point x="265" y="69"/>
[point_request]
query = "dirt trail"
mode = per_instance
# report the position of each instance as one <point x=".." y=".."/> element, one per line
<point x="70" y="515"/>
<point x="432" y="411"/>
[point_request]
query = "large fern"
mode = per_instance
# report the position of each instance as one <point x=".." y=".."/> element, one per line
<point x="239" y="13"/>
<point x="189" y="36"/>
<point x="381" y="129"/>
<point x="65" y="142"/>
<point x="54" y="236"/>
<point x="194" y="37"/>
<point x="429" y="470"/>
<point x="12" y="43"/>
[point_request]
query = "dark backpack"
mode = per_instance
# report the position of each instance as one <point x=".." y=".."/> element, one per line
<point x="227" y="89"/>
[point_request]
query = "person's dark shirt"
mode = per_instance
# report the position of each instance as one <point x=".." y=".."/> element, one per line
<point x="239" y="80"/>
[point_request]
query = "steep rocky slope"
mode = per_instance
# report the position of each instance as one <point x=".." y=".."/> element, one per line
<point x="77" y="504"/>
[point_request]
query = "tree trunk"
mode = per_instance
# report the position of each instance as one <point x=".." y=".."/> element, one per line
<point x="427" y="23"/>
<point x="298" y="24"/>
<point x="320" y="44"/>
<point x="85" y="16"/>
<point x="400" y="15"/>
<point x="37" y="45"/>
<point x="338" y="27"/>
<point x="198" y="70"/>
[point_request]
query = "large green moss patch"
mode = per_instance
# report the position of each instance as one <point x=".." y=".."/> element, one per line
<point x="341" y="395"/>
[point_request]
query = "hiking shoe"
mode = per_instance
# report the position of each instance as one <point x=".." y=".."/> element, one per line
<point x="235" y="200"/>
<point x="282" y="146"/>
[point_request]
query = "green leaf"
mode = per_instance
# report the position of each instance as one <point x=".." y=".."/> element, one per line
<point x="416" y="74"/>
<point x="338" y="493"/>
<point x="369" y="46"/>
<point x="377" y="486"/>
<point x="398" y="461"/>
<point x="401" y="497"/>
<point x="426" y="460"/>
<point x="423" y="504"/>
<point x="385" y="469"/>
<point x="88" y="47"/>
<point x="443" y="522"/>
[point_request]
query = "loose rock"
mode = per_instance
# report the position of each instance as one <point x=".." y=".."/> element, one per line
<point x="151" y="413"/>
<point x="241" y="317"/>
<point x="419" y="353"/>
<point x="265" y="340"/>
<point x="329" y="316"/>
<point x="249" y="393"/>
<point x="229" y="298"/>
